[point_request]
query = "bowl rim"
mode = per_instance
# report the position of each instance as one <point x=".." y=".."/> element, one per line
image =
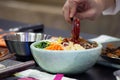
<point x="38" y="49"/>
<point x="21" y="33"/>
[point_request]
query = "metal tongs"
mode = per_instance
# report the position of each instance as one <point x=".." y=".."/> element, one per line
<point x="76" y="29"/>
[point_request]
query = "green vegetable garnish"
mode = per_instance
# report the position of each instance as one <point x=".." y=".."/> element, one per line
<point x="43" y="44"/>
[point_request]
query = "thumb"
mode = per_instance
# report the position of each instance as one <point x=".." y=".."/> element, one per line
<point x="73" y="6"/>
<point x="73" y="10"/>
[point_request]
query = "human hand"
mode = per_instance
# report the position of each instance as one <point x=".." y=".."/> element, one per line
<point x="85" y="9"/>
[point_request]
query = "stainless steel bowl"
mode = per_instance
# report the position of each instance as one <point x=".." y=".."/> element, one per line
<point x="19" y="43"/>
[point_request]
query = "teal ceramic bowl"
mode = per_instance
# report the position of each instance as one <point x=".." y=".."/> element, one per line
<point x="66" y="61"/>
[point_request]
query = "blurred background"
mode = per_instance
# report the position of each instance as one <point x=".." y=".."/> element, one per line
<point x="49" y="12"/>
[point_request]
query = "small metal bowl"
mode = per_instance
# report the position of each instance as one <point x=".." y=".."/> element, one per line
<point x="19" y="43"/>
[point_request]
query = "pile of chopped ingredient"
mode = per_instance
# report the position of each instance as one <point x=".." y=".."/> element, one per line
<point x="65" y="44"/>
<point x="111" y="51"/>
<point x="73" y="43"/>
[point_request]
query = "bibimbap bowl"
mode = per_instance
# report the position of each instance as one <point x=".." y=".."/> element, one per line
<point x="65" y="61"/>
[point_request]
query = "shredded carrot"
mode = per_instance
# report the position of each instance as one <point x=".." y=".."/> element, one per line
<point x="54" y="46"/>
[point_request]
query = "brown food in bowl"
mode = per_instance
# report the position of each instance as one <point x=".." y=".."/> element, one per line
<point x="84" y="43"/>
<point x="111" y="51"/>
<point x="76" y="39"/>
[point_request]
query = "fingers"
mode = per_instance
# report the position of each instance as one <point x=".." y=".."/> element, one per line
<point x="73" y="10"/>
<point x="73" y="6"/>
<point x="78" y="8"/>
<point x="69" y="9"/>
<point x="66" y="11"/>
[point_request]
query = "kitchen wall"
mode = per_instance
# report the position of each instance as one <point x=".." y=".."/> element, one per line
<point x="49" y="12"/>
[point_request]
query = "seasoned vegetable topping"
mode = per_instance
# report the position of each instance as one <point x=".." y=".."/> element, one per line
<point x="43" y="44"/>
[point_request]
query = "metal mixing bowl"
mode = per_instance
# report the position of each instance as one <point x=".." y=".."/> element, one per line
<point x="19" y="43"/>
